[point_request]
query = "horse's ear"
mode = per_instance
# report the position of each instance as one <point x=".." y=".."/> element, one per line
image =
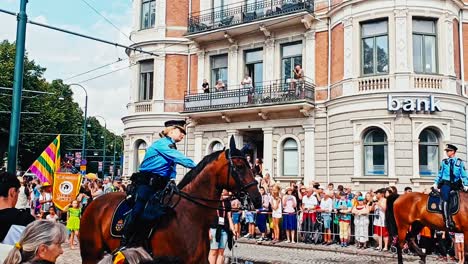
<point x="232" y="144"/>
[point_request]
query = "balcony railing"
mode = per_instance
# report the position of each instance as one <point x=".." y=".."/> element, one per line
<point x="239" y="13"/>
<point x="267" y="93"/>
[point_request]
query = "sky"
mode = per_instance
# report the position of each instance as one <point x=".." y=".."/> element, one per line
<point x="65" y="55"/>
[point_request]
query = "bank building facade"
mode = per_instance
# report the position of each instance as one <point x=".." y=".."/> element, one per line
<point x="383" y="90"/>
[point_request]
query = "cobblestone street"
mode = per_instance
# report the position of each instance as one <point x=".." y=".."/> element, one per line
<point x="282" y="253"/>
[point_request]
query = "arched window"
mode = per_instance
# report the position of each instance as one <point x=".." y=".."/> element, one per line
<point x="290" y="158"/>
<point x="215" y="146"/>
<point x="375" y="152"/>
<point x="428" y="153"/>
<point x="141" y="151"/>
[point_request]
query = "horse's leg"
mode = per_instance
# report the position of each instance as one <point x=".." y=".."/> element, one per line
<point x="416" y="227"/>
<point x="92" y="252"/>
<point x="401" y="241"/>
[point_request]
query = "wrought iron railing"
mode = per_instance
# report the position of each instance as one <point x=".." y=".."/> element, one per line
<point x="238" y="13"/>
<point x="267" y="93"/>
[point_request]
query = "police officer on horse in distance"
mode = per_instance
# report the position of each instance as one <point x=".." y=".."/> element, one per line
<point x="156" y="171"/>
<point x="452" y="177"/>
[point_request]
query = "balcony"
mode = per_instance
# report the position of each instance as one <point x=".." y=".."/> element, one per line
<point x="278" y="92"/>
<point x="241" y="13"/>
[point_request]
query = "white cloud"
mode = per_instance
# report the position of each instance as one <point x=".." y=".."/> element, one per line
<point x="65" y="55"/>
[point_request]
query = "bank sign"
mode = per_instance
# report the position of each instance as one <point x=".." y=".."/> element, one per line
<point x="418" y="104"/>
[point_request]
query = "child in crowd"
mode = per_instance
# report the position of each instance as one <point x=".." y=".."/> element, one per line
<point x="250" y="221"/>
<point x="343" y="208"/>
<point x="277" y="211"/>
<point x="326" y="208"/>
<point x="52" y="216"/>
<point x="290" y="218"/>
<point x="361" y="222"/>
<point x="460" y="247"/>
<point x="236" y="215"/>
<point x="73" y="222"/>
<point x="262" y="215"/>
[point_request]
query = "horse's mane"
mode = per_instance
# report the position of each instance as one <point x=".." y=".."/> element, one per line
<point x="193" y="173"/>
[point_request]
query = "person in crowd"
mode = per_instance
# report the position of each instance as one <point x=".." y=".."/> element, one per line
<point x="393" y="189"/>
<point x="97" y="189"/>
<point x="326" y="208"/>
<point x="452" y="175"/>
<point x="52" y="216"/>
<point x="309" y="206"/>
<point x="426" y="240"/>
<point x="290" y="218"/>
<point x="343" y="208"/>
<point x="380" y="230"/>
<point x="460" y="247"/>
<point x="295" y="187"/>
<point x="73" y="222"/>
<point x="218" y="233"/>
<point x="24" y="195"/>
<point x="267" y="182"/>
<point x="361" y="222"/>
<point x="277" y="212"/>
<point x="40" y="243"/>
<point x="262" y="215"/>
<point x="302" y="192"/>
<point x="258" y="167"/>
<point x="236" y="215"/>
<point x="340" y="188"/>
<point x="45" y="199"/>
<point x="106" y="184"/>
<point x="249" y="161"/>
<point x="250" y="222"/>
<point x="220" y="86"/>
<point x="205" y="86"/>
<point x="408" y="189"/>
<point x="36" y="194"/>
<point x="10" y="217"/>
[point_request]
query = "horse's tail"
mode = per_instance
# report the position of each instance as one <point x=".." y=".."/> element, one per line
<point x="390" y="216"/>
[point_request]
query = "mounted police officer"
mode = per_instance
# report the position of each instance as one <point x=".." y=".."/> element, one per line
<point x="452" y="176"/>
<point x="156" y="170"/>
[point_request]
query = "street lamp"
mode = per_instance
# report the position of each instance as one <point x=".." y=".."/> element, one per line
<point x="103" y="147"/>
<point x="83" y="148"/>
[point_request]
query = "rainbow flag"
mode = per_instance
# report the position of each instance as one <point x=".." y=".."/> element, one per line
<point x="48" y="162"/>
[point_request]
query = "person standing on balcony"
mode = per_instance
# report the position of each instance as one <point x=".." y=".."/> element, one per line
<point x="206" y="86"/>
<point x="247" y="84"/>
<point x="220" y="86"/>
<point x="298" y="82"/>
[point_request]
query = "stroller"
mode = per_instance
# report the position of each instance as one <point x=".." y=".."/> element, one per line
<point x="317" y="234"/>
<point x="312" y="230"/>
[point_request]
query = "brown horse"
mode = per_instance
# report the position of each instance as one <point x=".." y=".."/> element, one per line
<point x="183" y="233"/>
<point x="409" y="210"/>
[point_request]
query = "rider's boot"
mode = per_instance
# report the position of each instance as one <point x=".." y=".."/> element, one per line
<point x="447" y="216"/>
<point x="128" y="232"/>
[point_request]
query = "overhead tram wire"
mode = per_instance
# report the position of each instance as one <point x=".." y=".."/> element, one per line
<point x="110" y="22"/>
<point x="83" y="35"/>
<point x="95" y="69"/>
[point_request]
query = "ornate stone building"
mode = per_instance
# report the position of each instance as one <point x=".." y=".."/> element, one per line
<point x="382" y="92"/>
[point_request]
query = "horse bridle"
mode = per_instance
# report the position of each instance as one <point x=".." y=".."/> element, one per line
<point x="232" y="172"/>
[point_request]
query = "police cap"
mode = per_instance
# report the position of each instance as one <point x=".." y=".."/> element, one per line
<point x="180" y="124"/>
<point x="451" y="147"/>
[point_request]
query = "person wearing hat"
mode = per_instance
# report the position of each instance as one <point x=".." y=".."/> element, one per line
<point x="45" y="199"/>
<point x="156" y="170"/>
<point x="452" y="176"/>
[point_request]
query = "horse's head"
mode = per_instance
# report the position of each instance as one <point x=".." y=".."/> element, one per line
<point x="239" y="177"/>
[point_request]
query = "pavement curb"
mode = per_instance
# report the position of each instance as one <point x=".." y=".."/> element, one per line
<point x="332" y="248"/>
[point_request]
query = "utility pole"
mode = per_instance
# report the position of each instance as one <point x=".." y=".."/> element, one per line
<point x="113" y="162"/>
<point x="17" y="89"/>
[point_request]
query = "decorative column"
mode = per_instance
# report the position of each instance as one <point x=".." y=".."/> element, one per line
<point x="391" y="158"/>
<point x="268" y="150"/>
<point x="232" y="69"/>
<point x="308" y="64"/>
<point x="237" y="137"/>
<point x="348" y="67"/>
<point x="401" y="37"/>
<point x="447" y="29"/>
<point x="198" y="146"/>
<point x="269" y="60"/>
<point x="201" y="70"/>
<point x="159" y="81"/>
<point x="309" y="153"/>
<point x="416" y="158"/>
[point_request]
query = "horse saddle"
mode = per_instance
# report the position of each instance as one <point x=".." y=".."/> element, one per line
<point x="118" y="218"/>
<point x="434" y="203"/>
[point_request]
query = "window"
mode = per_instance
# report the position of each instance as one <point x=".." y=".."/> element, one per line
<point x="146" y="80"/>
<point x="291" y="55"/>
<point x="374" y="47"/>
<point x="428" y="153"/>
<point x="141" y="151"/>
<point x="218" y="11"/>
<point x="424" y="46"/>
<point x="254" y="66"/>
<point x="375" y="152"/>
<point x="219" y="69"/>
<point x="215" y="146"/>
<point x="148" y="14"/>
<point x="290" y="158"/>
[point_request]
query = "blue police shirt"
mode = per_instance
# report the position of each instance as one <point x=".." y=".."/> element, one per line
<point x="458" y="171"/>
<point x="161" y="159"/>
